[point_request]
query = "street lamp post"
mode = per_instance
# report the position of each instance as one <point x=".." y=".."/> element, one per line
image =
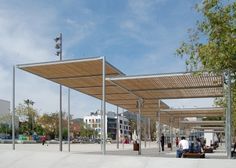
<point x="58" y="46"/>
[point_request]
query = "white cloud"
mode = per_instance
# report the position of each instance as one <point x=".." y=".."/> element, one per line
<point x="5" y="84"/>
<point x="129" y="25"/>
<point x="79" y="30"/>
<point x="27" y="32"/>
<point x="24" y="37"/>
<point x="142" y="9"/>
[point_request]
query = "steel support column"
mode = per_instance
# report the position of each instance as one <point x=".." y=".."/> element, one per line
<point x="149" y="131"/>
<point x="13" y="107"/>
<point x="60" y="109"/>
<point x="117" y="127"/>
<point x="145" y="132"/>
<point x="139" y="125"/>
<point x="171" y="132"/>
<point x="104" y="103"/>
<point x="159" y="124"/>
<point x="228" y="116"/>
<point x="68" y="126"/>
<point x="123" y="130"/>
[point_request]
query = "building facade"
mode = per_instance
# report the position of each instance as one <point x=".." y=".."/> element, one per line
<point x="93" y="121"/>
<point x="5" y="115"/>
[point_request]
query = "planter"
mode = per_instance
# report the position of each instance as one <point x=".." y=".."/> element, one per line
<point x="136" y="147"/>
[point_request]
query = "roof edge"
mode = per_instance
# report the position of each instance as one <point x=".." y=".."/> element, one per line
<point x="20" y="66"/>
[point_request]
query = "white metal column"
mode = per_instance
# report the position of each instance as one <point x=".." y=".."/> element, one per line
<point x="60" y="109"/>
<point x="139" y="125"/>
<point x="228" y="116"/>
<point x="104" y="103"/>
<point x="68" y="127"/>
<point x="123" y="130"/>
<point x="159" y="125"/>
<point x="171" y="132"/>
<point x="13" y="108"/>
<point x="145" y="132"/>
<point x="117" y="128"/>
<point x="149" y="132"/>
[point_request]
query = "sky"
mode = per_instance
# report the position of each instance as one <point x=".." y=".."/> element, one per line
<point x="136" y="36"/>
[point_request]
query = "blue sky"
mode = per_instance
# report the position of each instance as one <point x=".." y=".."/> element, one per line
<point x="136" y="36"/>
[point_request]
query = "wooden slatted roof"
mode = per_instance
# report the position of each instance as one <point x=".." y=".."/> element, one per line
<point x="209" y="128"/>
<point x="203" y="122"/>
<point x="172" y="86"/>
<point x="194" y="112"/>
<point x="85" y="75"/>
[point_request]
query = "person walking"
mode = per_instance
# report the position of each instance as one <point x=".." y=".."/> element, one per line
<point x="43" y="139"/>
<point x="162" y="142"/>
<point x="177" y="141"/>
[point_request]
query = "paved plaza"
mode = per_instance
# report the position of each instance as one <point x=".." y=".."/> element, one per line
<point x="89" y="156"/>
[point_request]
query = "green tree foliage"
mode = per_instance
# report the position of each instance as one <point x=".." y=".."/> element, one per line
<point x="48" y="124"/>
<point x="133" y="126"/>
<point x="86" y="131"/>
<point x="211" y="46"/>
<point x="5" y="129"/>
<point x="28" y="115"/>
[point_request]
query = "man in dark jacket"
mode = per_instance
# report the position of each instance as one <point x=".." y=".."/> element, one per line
<point x="162" y="141"/>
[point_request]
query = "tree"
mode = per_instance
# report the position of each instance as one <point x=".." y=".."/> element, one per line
<point x="27" y="114"/>
<point x="31" y="113"/>
<point x="5" y="123"/>
<point x="75" y="128"/>
<point x="48" y="124"/>
<point x="86" y="131"/>
<point x="211" y="46"/>
<point x="133" y="126"/>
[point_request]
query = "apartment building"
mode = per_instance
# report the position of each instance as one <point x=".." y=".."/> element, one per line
<point x="94" y="121"/>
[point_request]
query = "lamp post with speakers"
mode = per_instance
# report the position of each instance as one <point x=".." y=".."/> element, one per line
<point x="58" y="47"/>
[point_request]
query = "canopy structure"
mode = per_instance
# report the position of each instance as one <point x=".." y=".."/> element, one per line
<point x="209" y="128"/>
<point x="194" y="112"/>
<point x="203" y="123"/>
<point x="85" y="75"/>
<point x="142" y="94"/>
<point x="179" y="114"/>
<point x="170" y="86"/>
